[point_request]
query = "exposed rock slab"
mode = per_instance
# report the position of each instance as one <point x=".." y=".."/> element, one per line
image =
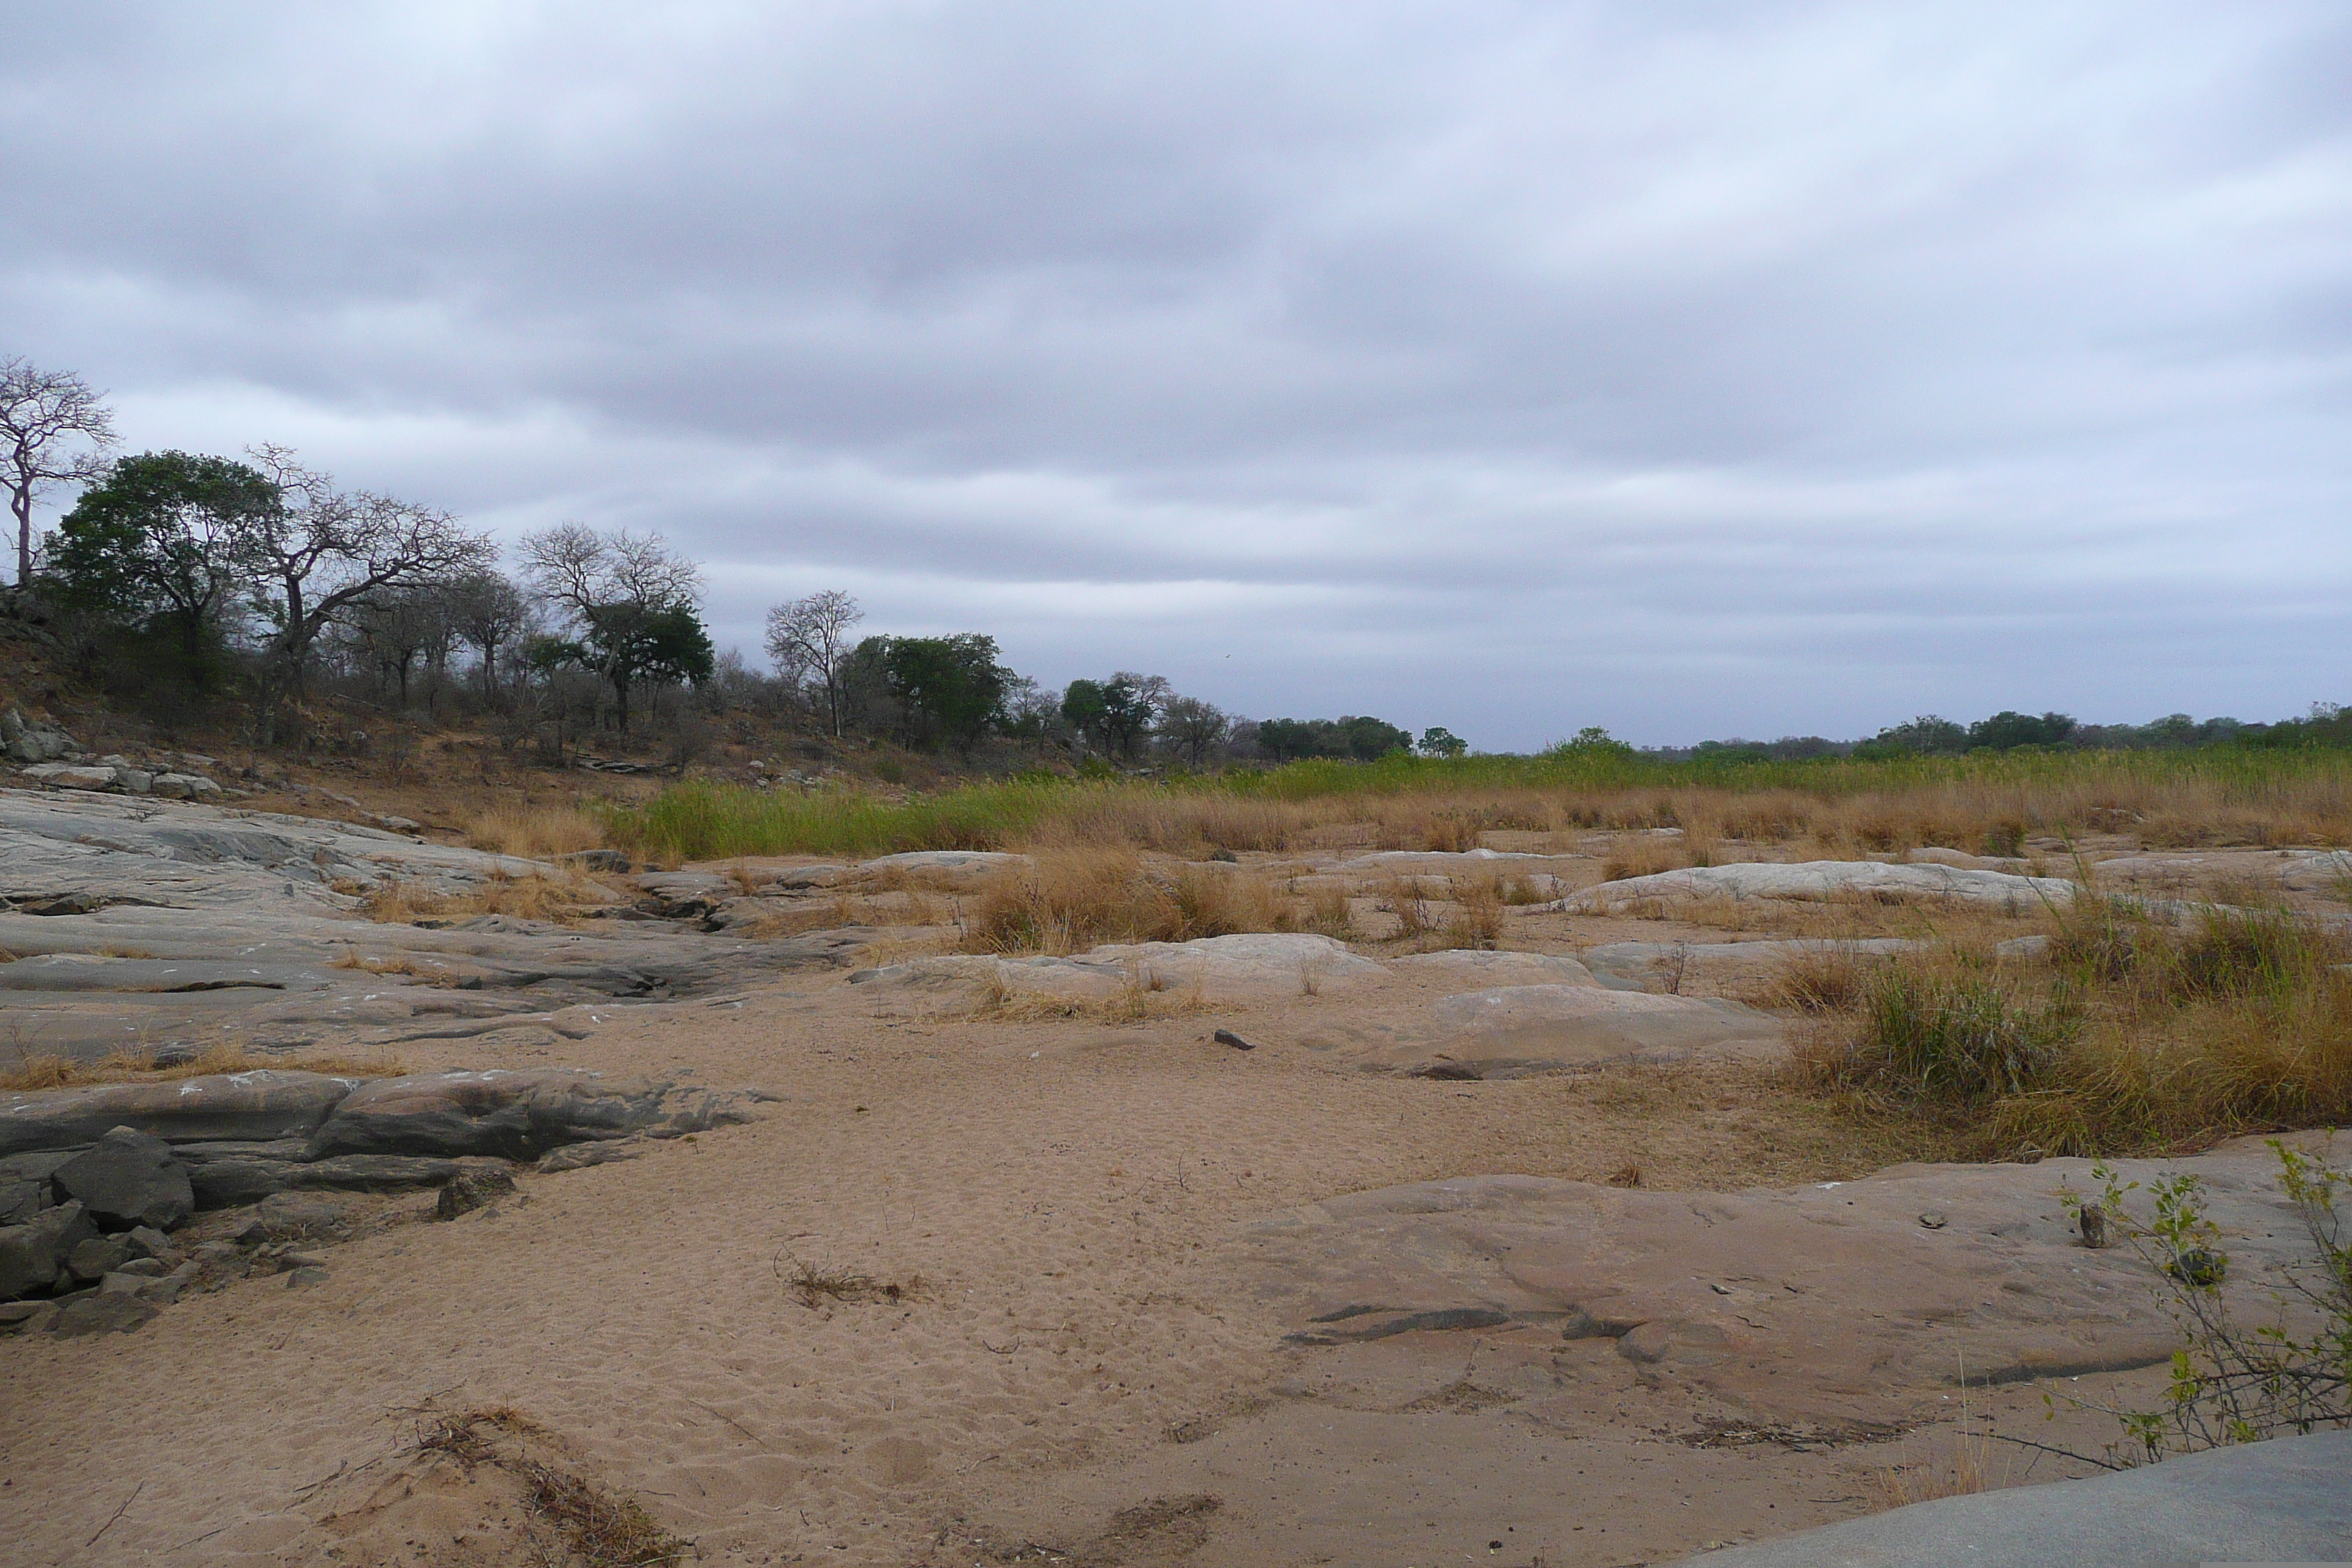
<point x="1521" y="1031"/>
<point x="515" y="1114"/>
<point x="93" y="852"/>
<point x="1264" y="963"/>
<point x="1816" y="880"/>
<point x="1816" y="1303"/>
<point x="1483" y="968"/>
<point x="257" y="1106"/>
<point x="1736" y="967"/>
<point x="2287" y="1500"/>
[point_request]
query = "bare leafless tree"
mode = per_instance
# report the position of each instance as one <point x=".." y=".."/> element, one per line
<point x="323" y="551"/>
<point x="488" y="613"/>
<point x="808" y="639"/>
<point x="1193" y="728"/>
<point x="53" y="430"/>
<point x="634" y="601"/>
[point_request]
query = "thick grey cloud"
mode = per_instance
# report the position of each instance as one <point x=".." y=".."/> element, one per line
<point x="1689" y="368"/>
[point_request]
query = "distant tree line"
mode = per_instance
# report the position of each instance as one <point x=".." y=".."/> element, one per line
<point x="189" y="584"/>
<point x="1931" y="735"/>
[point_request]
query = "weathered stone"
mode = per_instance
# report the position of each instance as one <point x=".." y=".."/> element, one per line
<point x="35" y="1318"/>
<point x="129" y="1178"/>
<point x="71" y="776"/>
<point x="146" y="1241"/>
<point x="471" y="1191"/>
<point x="514" y="1114"/>
<point x="21" y="1200"/>
<point x="580" y="1156"/>
<point x="1519" y="1031"/>
<point x="103" y="1314"/>
<point x="98" y="1257"/>
<point x="1820" y="879"/>
<point x="32" y="1255"/>
<point x="262" y="1104"/>
<point x="294" y="1216"/>
<point x="227" y="1183"/>
<point x="303" y="1279"/>
<point x="165" y="1290"/>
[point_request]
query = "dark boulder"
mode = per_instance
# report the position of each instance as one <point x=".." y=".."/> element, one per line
<point x="129" y="1178"/>
<point x="33" y="1254"/>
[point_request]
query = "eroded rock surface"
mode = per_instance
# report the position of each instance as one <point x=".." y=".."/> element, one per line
<point x="1519" y="1031"/>
<point x="1833" y="1303"/>
<point x="1822" y="879"/>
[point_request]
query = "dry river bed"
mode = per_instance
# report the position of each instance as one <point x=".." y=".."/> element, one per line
<point x="983" y="1284"/>
<point x="1074" y="1358"/>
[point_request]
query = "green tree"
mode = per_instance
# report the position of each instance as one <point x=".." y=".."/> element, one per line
<point x="948" y="688"/>
<point x="155" y="543"/>
<point x="1438" y="741"/>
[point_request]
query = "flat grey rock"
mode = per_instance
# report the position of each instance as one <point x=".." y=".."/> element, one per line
<point x="1523" y="1031"/>
<point x="514" y="1114"/>
<point x="1718" y="966"/>
<point x="2287" y="1500"/>
<point x="1814" y="881"/>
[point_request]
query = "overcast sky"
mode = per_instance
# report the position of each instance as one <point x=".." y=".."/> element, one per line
<point x="1688" y="369"/>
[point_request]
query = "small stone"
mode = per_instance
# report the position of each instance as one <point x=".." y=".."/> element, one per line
<point x="103" y="1314"/>
<point x="1227" y="1037"/>
<point x="2093" y="1223"/>
<point x="146" y="1268"/>
<point x="146" y="1241"/>
<point x="303" y="1279"/>
<point x="469" y="1190"/>
<point x="98" y="1257"/>
<point x="35" y="1316"/>
<point x="1933" y="1220"/>
<point x="215" y="1251"/>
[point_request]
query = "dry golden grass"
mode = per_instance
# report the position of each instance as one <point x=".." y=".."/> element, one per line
<point x="139" y="1067"/>
<point x="536" y="832"/>
<point x="2134" y="1036"/>
<point x="1140" y="996"/>
<point x="563" y="902"/>
<point x="1068" y="900"/>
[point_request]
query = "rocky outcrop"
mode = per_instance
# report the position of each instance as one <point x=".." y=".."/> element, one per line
<point x="516" y="1115"/>
<point x="1817" y="880"/>
<point x="27" y="741"/>
<point x="96" y="852"/>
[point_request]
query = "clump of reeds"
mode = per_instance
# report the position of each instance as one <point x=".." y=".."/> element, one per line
<point x="2136" y="1034"/>
<point x="537" y="832"/>
<point x="1072" y="899"/>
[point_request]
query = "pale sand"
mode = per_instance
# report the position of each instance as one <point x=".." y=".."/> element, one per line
<point x="1058" y="1200"/>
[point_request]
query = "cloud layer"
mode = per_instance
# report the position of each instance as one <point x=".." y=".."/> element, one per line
<point x="1689" y="368"/>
